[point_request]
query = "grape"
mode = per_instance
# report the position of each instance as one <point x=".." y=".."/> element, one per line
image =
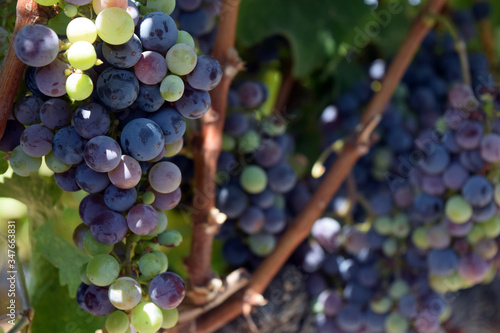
<point x="326" y="231"/>
<point x="158" y="32"/>
<point x="172" y="88"/>
<point x="12" y="135"/>
<point x="164" y="177"/>
<point x="436" y="162"/>
<point x="481" y="10"/>
<point x="70" y="10"/>
<point x="108" y="227"/>
<point x="103" y="269"/>
<point x="477" y="191"/>
<point x="125" y="293"/>
<point x="282" y="178"/>
<point x="350" y="318"/>
<point x="171" y="122"/>
<point x="458" y="210"/>
<point x="489" y="148"/>
<point x="234" y="252"/>
<point x="420" y="239"/>
<point x="166" y="6"/>
<point x="78" y="2"/>
<point x="82" y="55"/>
<point x="93" y="247"/>
<point x="127" y="174"/>
<point x="407" y="305"/>
<point x="476" y="234"/>
<point x="90" y="207"/>
<point x="390" y="247"/>
<point x="166" y="201"/>
<point x="181" y="59"/>
<point x="486" y="248"/>
<point x="264" y="199"/>
<point x="51" y="79"/>
<point x="197" y="23"/>
<point x="117" y="88"/>
<point x="23" y="164"/>
<point x="274" y="220"/>
<point x="381" y="306"/>
<point x="151" y="68"/>
<point x="251" y="220"/>
<point x="146" y="318"/>
<point x="194" y="103"/>
<point x="396" y="323"/>
<point x="117" y="322"/>
<point x="442" y="262"/>
<point x="251" y="94"/>
<point x="162" y="224"/>
<point x="472" y="268"/>
<point x="236" y="124"/>
<point x="91" y="120"/>
<point x="374" y="322"/>
<point x="332" y="302"/>
<point x="79" y="86"/>
<point x="142" y="139"/>
<point x="383" y="225"/>
<point x="149" y="98"/>
<point x="401" y="226"/>
<point x="253" y="179"/>
<point x="189" y="5"/>
<point x="114" y="25"/>
<point x="36" y="45"/>
<point x="455" y="176"/>
<point x="124" y="55"/>
<point x="55" y="114"/>
<point x="150" y="265"/>
<point x="118" y="199"/>
<point x="469" y="134"/>
<point x="459" y="229"/>
<point x="170" y="238"/>
<point x="492" y="227"/>
<point x="206" y="75"/>
<point x="102" y="154"/>
<point x="438" y="237"/>
<point x="232" y="201"/>
<point x="172" y="149"/>
<point x="167" y="290"/>
<point x="78" y="235"/>
<point x="27" y="110"/>
<point x="36" y="140"/>
<point x="170" y="318"/>
<point x="46" y="2"/>
<point x="89" y="180"/>
<point x="185" y="38"/>
<point x="428" y="208"/>
<point x="96" y="301"/>
<point x="133" y="11"/>
<point x="268" y="154"/>
<point x="142" y="219"/>
<point x="482" y="214"/>
<point x="262" y="244"/>
<point x="433" y="185"/>
<point x="100" y="5"/>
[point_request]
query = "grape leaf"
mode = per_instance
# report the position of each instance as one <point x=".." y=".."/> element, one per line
<point x="62" y="254"/>
<point x="55" y="310"/>
<point x="314" y="29"/>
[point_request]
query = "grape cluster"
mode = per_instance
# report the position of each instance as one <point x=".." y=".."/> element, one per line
<point x="106" y="115"/>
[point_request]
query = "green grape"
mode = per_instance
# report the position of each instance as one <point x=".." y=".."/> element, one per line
<point x="117" y="322"/>
<point x="125" y="293"/>
<point x="170" y="238"/>
<point x="162" y="259"/>
<point x="150" y="266"/>
<point x="172" y="88"/>
<point x="103" y="270"/>
<point x="401" y="226"/>
<point x="228" y="142"/>
<point x="81" y="29"/>
<point x="172" y="149"/>
<point x="146" y="318"/>
<point x="148" y="197"/>
<point x="170" y="318"/>
<point x="262" y="244"/>
<point x="476" y="234"/>
<point x="390" y="247"/>
<point x="162" y="224"/>
<point x="79" y="86"/>
<point x="23" y="164"/>
<point x="70" y="10"/>
<point x="54" y="164"/>
<point x="492" y="227"/>
<point x="458" y="210"/>
<point x="396" y="323"/>
<point x="185" y="38"/>
<point x="273" y="127"/>
<point x="446" y="314"/>
<point x="47" y="2"/>
<point x="93" y="247"/>
<point x="279" y="201"/>
<point x="181" y="59"/>
<point x="81" y="55"/>
<point x="420" y="239"/>
<point x="398" y="289"/>
<point x="166" y="6"/>
<point x="83" y="275"/>
<point x="382" y="305"/>
<point x="253" y="179"/>
<point x="249" y="142"/>
<point x="382" y="158"/>
<point x="115" y="26"/>
<point x="383" y="225"/>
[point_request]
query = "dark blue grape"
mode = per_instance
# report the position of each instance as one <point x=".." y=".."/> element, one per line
<point x="123" y="55"/>
<point x="171" y="122"/>
<point x="251" y="220"/>
<point x="119" y="200"/>
<point x="55" y="113"/>
<point x="197" y="22"/>
<point x="89" y="180"/>
<point x="282" y="178"/>
<point x="478" y="191"/>
<point x="274" y="220"/>
<point x="67" y="180"/>
<point x="97" y="302"/>
<point x="236" y="124"/>
<point x="235" y="253"/>
<point x="90" y="206"/>
<point x="117" y="88"/>
<point x="206" y="75"/>
<point x="68" y="146"/>
<point x="91" y="120"/>
<point x="11" y="136"/>
<point x="108" y="227"/>
<point x="194" y="103"/>
<point x="142" y="139"/>
<point x="232" y="201"/>
<point x="27" y="110"/>
<point x="442" y="262"/>
<point x="158" y="32"/>
<point x="149" y="98"/>
<point x="264" y="199"/>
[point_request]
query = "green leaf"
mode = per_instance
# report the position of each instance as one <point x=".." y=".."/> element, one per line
<point x="314" y="29"/>
<point x="62" y="254"/>
<point x="55" y="310"/>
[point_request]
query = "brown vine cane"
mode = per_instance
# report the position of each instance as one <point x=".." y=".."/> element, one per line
<point x="12" y="70"/>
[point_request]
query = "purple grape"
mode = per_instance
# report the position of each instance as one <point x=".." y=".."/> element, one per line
<point x="473" y="268"/>
<point x="355" y="240"/>
<point x="167" y="290"/>
<point x="435" y="162"/>
<point x="251" y="220"/>
<point x="167" y="201"/>
<point x="282" y="178"/>
<point x="97" y="302"/>
<point x="268" y="154"/>
<point x="90" y="206"/>
<point x="36" y="140"/>
<point x="36" y="45"/>
<point x="472" y="160"/>
<point x="490" y="148"/>
<point x="332" y="302"/>
<point x="127" y="174"/>
<point x="102" y="154"/>
<point x="67" y="180"/>
<point x="442" y="262"/>
<point x="483" y="214"/>
<point x="142" y="139"/>
<point x="79" y="234"/>
<point x="55" y="114"/>
<point x="478" y="191"/>
<point x="236" y="124"/>
<point x="117" y="88"/>
<point x="455" y="176"/>
<point x="142" y="219"/>
<point x="89" y="180"/>
<point x="197" y="22"/>
<point x="251" y="94"/>
<point x="274" y="220"/>
<point x="439" y="237"/>
<point x="264" y="199"/>
<point x="119" y="200"/>
<point x="327" y="231"/>
<point x="469" y="134"/>
<point x="350" y="318"/>
<point x="459" y="229"/>
<point x="149" y="98"/>
<point x="165" y="177"/>
<point x="27" y="110"/>
<point x="367" y="276"/>
<point x="206" y="75"/>
<point x="51" y="79"/>
<point x="433" y="185"/>
<point x="194" y="103"/>
<point x="68" y="146"/>
<point x="171" y="122"/>
<point x="151" y="68"/>
<point x="108" y="227"/>
<point x="80" y="296"/>
<point x="158" y="32"/>
<point x="12" y="135"/>
<point x="91" y="120"/>
<point x="123" y="55"/>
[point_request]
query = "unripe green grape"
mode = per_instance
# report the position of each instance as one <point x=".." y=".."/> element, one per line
<point x="47" y="2"/>
<point x="172" y="149"/>
<point x="117" y="322"/>
<point x="23" y="164"/>
<point x="172" y="88"/>
<point x="492" y="227"/>
<point x="166" y="6"/>
<point x="148" y="197"/>
<point x="185" y="38"/>
<point x="253" y="179"/>
<point x="170" y="238"/>
<point x="383" y="225"/>
<point x="262" y="244"/>
<point x="170" y="318"/>
<point x="458" y="210"/>
<point x="150" y="266"/>
<point x="82" y="55"/>
<point x="103" y="270"/>
<point x="93" y="247"/>
<point x="54" y="164"/>
<point x="162" y="224"/>
<point x="476" y="234"/>
<point x="401" y="226"/>
<point x="249" y="142"/>
<point x="70" y="10"/>
<point x="115" y="26"/>
<point x="273" y="127"/>
<point x="162" y="259"/>
<point x="398" y="289"/>
<point x="81" y="29"/>
<point x="420" y="239"/>
<point x="79" y="86"/>
<point x="396" y="323"/>
<point x="83" y="275"/>
<point x="125" y="293"/>
<point x="390" y="247"/>
<point x="146" y="318"/>
<point x="181" y="59"/>
<point x="382" y="305"/>
<point x="228" y="142"/>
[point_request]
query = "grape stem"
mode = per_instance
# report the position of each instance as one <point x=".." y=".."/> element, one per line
<point x="207" y="145"/>
<point x="356" y="147"/>
<point x="486" y="35"/>
<point x="11" y="72"/>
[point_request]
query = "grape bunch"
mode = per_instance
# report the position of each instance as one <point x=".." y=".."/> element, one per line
<point x="107" y="113"/>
